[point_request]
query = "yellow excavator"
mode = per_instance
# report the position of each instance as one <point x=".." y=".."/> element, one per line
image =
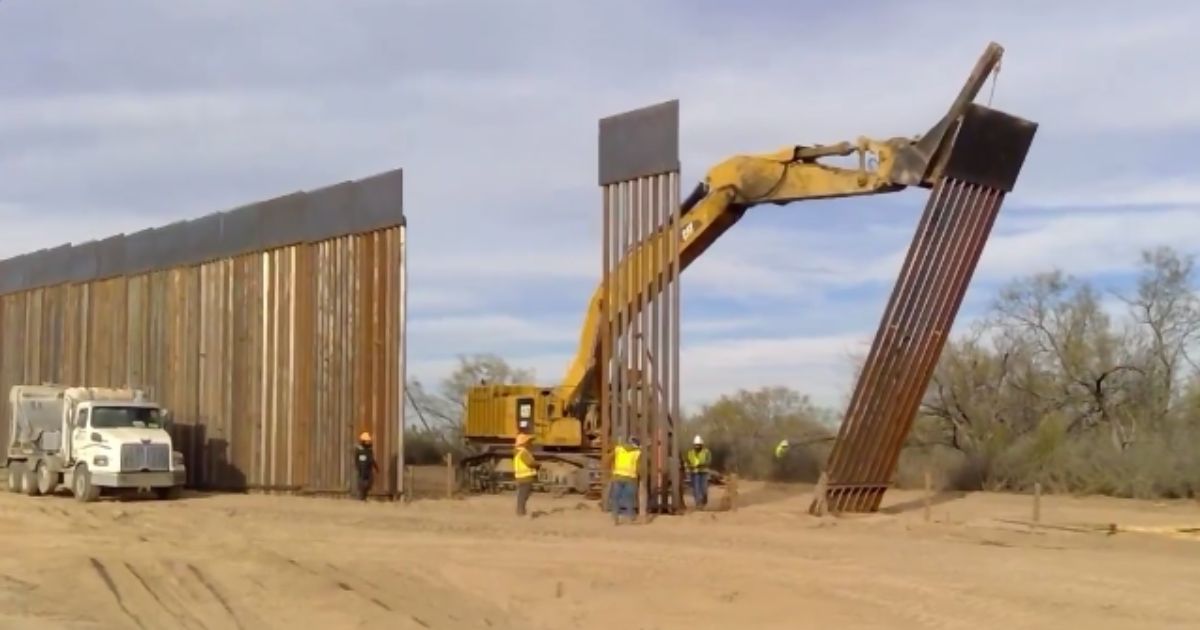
<point x="564" y="419"/>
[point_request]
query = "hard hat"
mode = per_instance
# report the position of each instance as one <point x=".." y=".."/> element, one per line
<point x="523" y="438"/>
<point x="364" y="437"/>
<point x="698" y="441"/>
<point x="783" y="442"/>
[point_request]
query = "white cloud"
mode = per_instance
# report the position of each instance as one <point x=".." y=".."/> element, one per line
<point x="490" y="332"/>
<point x="25" y="231"/>
<point x="818" y="366"/>
<point x="788" y="262"/>
<point x="1088" y="243"/>
<point x="1118" y="192"/>
<point x="495" y="124"/>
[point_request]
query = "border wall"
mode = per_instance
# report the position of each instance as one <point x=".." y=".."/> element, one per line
<point x="274" y="333"/>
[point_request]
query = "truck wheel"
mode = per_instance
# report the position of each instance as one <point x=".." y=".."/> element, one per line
<point x="29" y="483"/>
<point x="169" y="493"/>
<point x="14" y="476"/>
<point x="47" y="479"/>
<point x="81" y="485"/>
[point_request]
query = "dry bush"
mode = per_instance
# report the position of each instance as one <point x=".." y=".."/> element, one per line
<point x="743" y="428"/>
<point x="426" y="448"/>
<point x="1156" y="467"/>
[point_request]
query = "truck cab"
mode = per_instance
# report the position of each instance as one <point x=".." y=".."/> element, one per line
<point x="103" y="439"/>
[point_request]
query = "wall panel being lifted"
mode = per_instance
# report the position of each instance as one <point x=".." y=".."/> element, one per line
<point x="639" y="336"/>
<point x="274" y="332"/>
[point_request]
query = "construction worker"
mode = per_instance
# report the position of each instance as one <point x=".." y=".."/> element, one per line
<point x="525" y="469"/>
<point x="781" y="449"/>
<point x="365" y="465"/>
<point x="625" y="472"/>
<point x="698" y="459"/>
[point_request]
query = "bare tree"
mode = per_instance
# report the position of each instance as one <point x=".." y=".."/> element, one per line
<point x="1166" y="311"/>
<point x="1060" y="321"/>
<point x="443" y="410"/>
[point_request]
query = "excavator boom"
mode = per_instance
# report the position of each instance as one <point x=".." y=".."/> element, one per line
<point x="969" y="143"/>
<point x="794" y="173"/>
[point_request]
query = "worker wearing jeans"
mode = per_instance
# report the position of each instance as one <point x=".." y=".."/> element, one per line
<point x="697" y="461"/>
<point x="623" y="490"/>
<point x="524" y="471"/>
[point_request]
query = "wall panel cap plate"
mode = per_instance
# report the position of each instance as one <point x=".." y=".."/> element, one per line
<point x="639" y="143"/>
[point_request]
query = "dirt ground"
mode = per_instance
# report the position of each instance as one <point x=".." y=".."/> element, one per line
<point x="250" y="562"/>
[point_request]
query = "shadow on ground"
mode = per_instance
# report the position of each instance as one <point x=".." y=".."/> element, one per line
<point x="919" y="503"/>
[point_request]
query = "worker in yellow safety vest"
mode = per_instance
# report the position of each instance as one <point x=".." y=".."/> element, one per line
<point x="525" y="469"/>
<point x="697" y="460"/>
<point x="781" y="449"/>
<point x="626" y="469"/>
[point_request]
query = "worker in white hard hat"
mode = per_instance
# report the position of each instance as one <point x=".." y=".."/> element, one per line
<point x="697" y="461"/>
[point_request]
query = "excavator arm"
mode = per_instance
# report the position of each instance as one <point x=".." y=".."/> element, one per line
<point x="737" y="184"/>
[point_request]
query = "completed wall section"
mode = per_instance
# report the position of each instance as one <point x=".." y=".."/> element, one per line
<point x="274" y="333"/>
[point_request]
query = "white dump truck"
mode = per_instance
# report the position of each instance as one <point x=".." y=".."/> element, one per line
<point x="90" y="439"/>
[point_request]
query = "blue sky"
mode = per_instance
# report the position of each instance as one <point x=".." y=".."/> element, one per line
<point x="118" y="116"/>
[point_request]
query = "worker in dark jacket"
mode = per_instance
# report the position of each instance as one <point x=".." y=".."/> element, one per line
<point x="364" y="464"/>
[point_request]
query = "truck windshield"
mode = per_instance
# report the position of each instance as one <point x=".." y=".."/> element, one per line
<point x="126" y="417"/>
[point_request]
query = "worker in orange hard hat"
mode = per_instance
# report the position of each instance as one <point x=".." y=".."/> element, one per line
<point x="525" y="469"/>
<point x="364" y="464"/>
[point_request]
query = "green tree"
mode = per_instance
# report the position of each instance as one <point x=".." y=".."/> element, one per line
<point x="743" y="428"/>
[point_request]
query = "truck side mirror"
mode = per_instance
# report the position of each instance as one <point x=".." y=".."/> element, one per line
<point x="167" y="421"/>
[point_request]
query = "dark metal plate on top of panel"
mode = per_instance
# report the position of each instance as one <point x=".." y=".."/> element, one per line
<point x="111" y="257"/>
<point x="8" y="276"/>
<point x="639" y="143"/>
<point x="12" y="274"/>
<point x="280" y="221"/>
<point x="35" y="266"/>
<point x="138" y="253"/>
<point x="381" y="199"/>
<point x="347" y="208"/>
<point x="330" y="212"/>
<point x="241" y="230"/>
<point x="197" y="241"/>
<point x="989" y="148"/>
<point x="50" y="267"/>
<point x="83" y="263"/>
<point x="172" y="245"/>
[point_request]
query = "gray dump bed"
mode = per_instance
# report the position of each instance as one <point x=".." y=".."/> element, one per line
<point x="36" y="417"/>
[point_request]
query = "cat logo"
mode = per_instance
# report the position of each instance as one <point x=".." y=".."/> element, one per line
<point x="688" y="230"/>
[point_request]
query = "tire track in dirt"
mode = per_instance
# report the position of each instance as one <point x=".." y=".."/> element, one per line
<point x="18" y="583"/>
<point x="105" y="577"/>
<point x="200" y="577"/>
<point x="350" y="589"/>
<point x="402" y="611"/>
<point x="177" y="611"/>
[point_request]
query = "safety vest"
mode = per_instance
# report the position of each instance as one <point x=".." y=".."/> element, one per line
<point x="625" y="462"/>
<point x="780" y="449"/>
<point x="698" y="460"/>
<point x="521" y="470"/>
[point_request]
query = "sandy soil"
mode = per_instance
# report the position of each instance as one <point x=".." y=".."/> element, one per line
<point x="251" y="562"/>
